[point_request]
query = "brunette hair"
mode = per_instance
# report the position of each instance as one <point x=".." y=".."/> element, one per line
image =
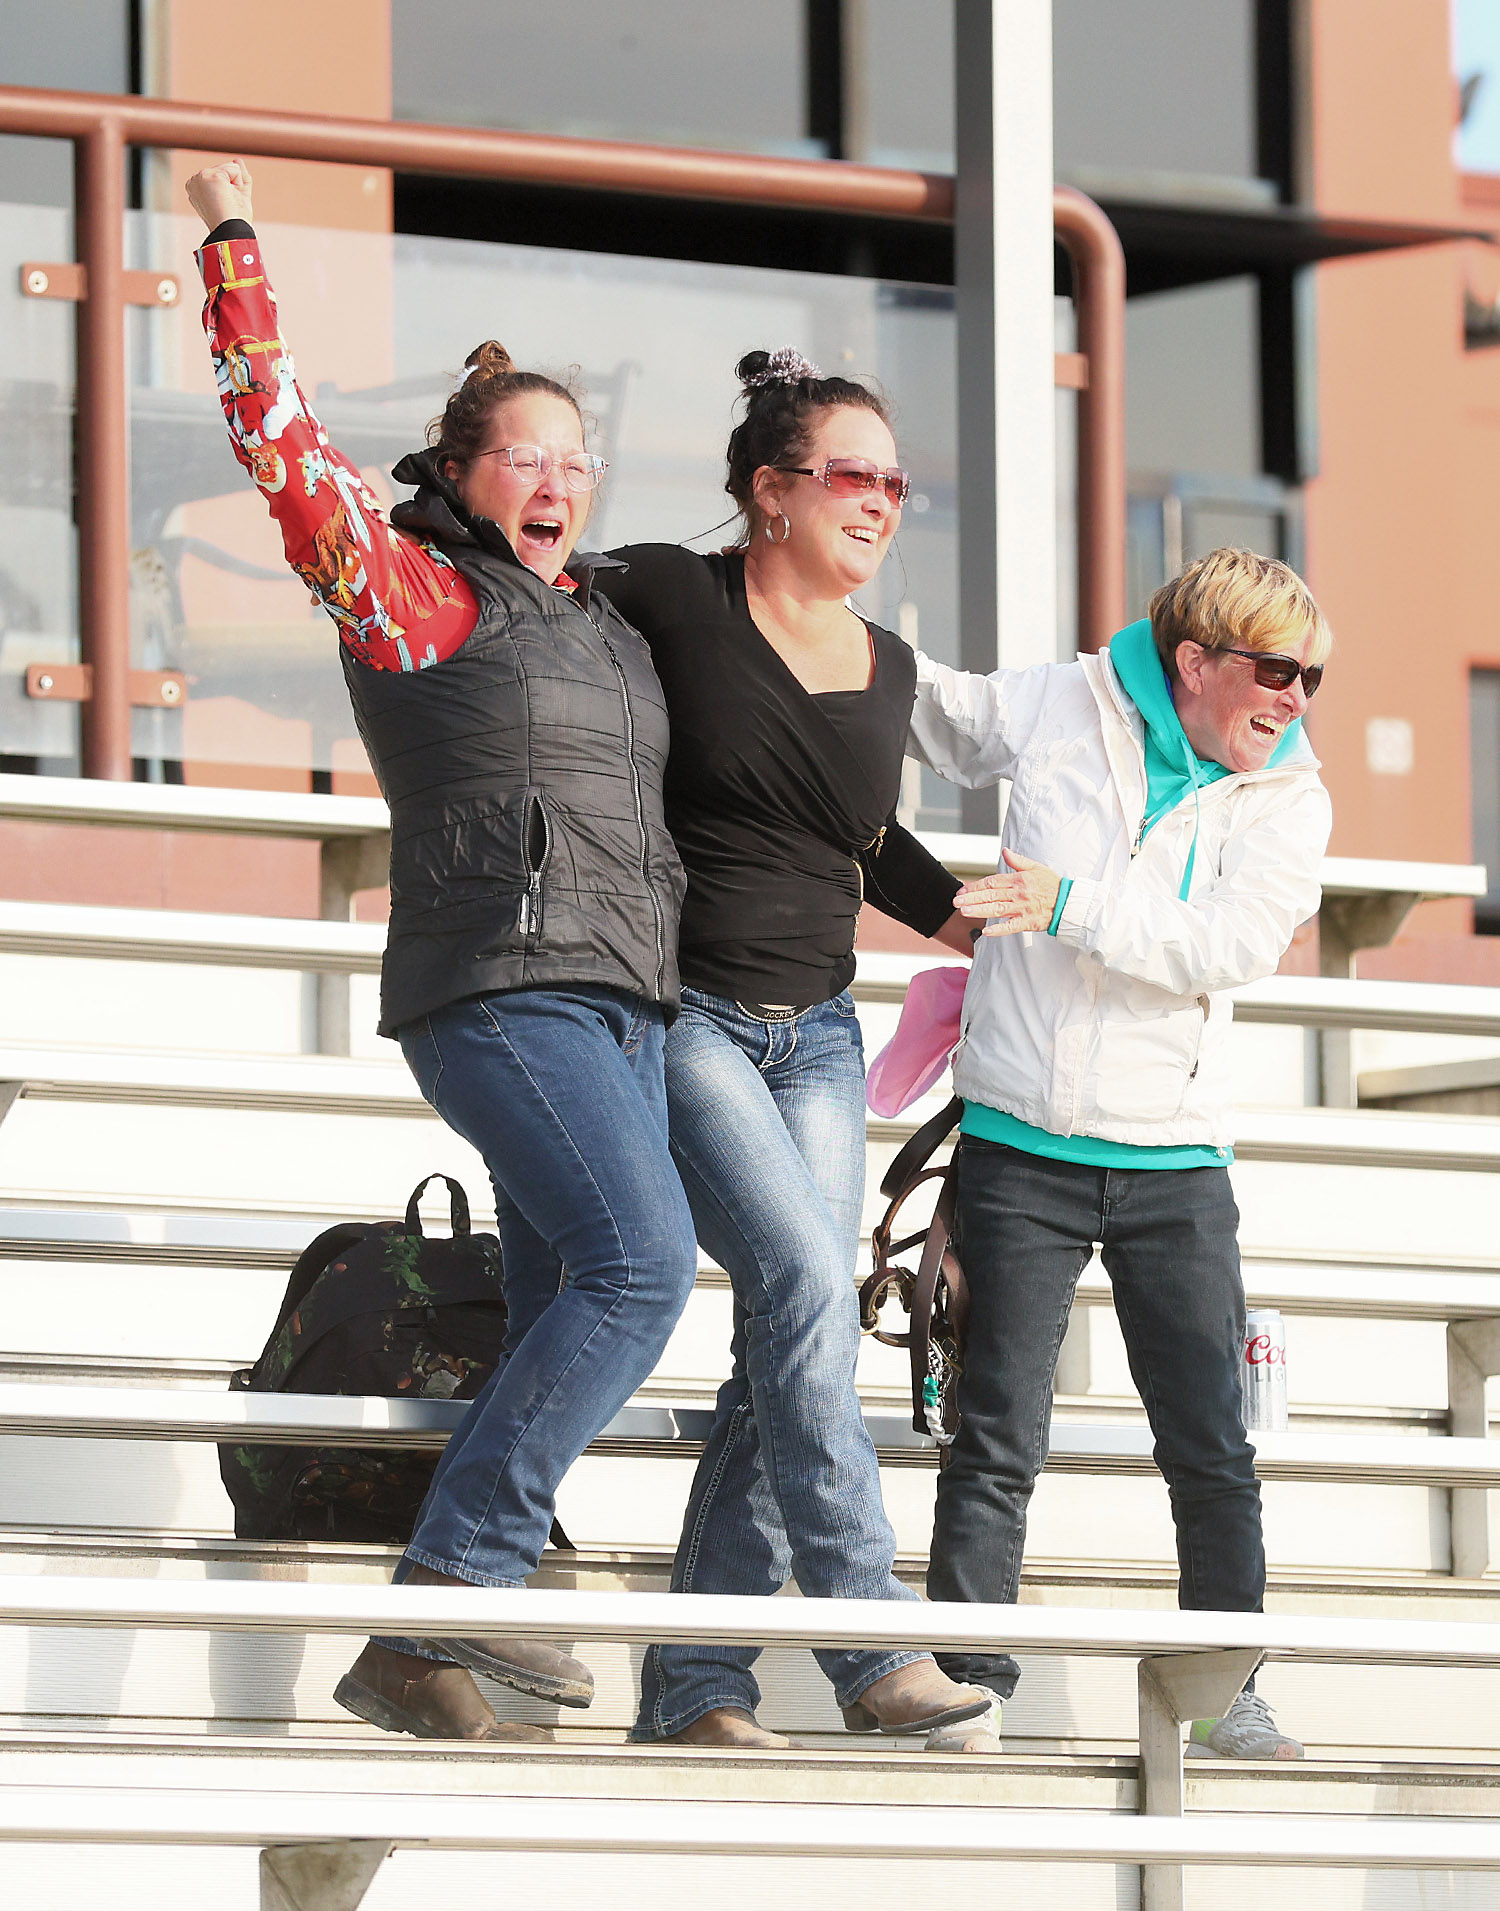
<point x="490" y="378"/>
<point x="784" y="396"/>
<point x="1234" y="599"/>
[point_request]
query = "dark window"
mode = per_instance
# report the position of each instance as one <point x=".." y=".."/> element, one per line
<point x="909" y="50"/>
<point x="1193" y="391"/>
<point x="1155" y="87"/>
<point x="1484" y="786"/>
<point x="673" y="71"/>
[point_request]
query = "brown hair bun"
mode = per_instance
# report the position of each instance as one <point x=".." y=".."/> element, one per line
<point x="490" y="360"/>
<point x="490" y="378"/>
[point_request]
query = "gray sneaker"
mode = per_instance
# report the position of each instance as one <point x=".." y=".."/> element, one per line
<point x="1246" y="1730"/>
<point x="974" y="1736"/>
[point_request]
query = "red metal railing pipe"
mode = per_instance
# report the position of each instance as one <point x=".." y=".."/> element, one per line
<point x="474" y="153"/>
<point x="103" y="453"/>
<point x="1098" y="259"/>
<point x="102" y="124"/>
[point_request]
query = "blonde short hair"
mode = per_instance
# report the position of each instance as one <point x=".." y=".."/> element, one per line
<point x="1236" y="600"/>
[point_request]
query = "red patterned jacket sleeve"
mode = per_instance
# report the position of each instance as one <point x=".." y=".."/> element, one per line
<point x="398" y="602"/>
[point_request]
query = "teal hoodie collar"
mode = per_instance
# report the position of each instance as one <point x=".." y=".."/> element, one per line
<point x="1138" y="666"/>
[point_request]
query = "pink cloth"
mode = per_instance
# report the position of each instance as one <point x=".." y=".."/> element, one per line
<point x="925" y="1038"/>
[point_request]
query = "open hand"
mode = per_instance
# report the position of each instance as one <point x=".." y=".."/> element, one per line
<point x="221" y="192"/>
<point x="1012" y="904"/>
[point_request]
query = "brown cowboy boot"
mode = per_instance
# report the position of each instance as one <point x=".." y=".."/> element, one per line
<point x="730" y="1727"/>
<point x="401" y="1693"/>
<point x="527" y="1665"/>
<point x="915" y="1698"/>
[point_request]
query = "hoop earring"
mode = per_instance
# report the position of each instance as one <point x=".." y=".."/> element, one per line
<point x="785" y="534"/>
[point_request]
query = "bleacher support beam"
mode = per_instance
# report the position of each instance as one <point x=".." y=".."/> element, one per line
<point x="1172" y="1690"/>
<point x="1473" y="1356"/>
<point x="322" y="1877"/>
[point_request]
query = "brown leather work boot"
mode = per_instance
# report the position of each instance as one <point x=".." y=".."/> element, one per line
<point x="526" y="1665"/>
<point x="731" y="1728"/>
<point x="915" y="1698"/>
<point x="401" y="1693"/>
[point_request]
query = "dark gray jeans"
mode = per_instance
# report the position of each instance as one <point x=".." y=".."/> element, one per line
<point x="1026" y="1228"/>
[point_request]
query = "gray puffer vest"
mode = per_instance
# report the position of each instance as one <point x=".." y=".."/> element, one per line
<point x="524" y="778"/>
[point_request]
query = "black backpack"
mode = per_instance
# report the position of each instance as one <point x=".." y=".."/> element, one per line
<point x="371" y="1308"/>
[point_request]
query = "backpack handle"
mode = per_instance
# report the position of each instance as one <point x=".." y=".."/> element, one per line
<point x="458" y="1206"/>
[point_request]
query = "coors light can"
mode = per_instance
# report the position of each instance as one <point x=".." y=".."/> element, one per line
<point x="1263" y="1371"/>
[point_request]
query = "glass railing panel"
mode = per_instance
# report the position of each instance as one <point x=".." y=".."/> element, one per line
<point x="38" y="542"/>
<point x="380" y="327"/>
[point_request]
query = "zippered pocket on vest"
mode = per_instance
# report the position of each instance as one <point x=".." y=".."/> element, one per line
<point x="536" y="841"/>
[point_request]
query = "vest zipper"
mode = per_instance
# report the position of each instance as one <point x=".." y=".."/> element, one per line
<point x="529" y="917"/>
<point x="534" y="813"/>
<point x="635" y="790"/>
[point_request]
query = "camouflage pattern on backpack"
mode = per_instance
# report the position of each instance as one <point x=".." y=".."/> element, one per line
<point x="370" y="1308"/>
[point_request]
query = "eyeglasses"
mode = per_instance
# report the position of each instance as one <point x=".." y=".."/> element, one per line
<point x="1273" y="671"/>
<point x="851" y="477"/>
<point x="581" y="471"/>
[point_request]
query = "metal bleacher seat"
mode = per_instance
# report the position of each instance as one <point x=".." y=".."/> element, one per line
<point x="1187" y="1664"/>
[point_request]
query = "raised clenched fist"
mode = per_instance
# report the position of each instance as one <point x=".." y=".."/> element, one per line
<point x="221" y="192"/>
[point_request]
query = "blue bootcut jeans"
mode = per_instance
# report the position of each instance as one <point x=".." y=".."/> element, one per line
<point x="1026" y="1227"/>
<point x="561" y="1091"/>
<point x="768" y="1131"/>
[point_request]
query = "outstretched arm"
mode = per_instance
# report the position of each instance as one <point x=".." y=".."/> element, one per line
<point x="399" y="604"/>
<point x="972" y="729"/>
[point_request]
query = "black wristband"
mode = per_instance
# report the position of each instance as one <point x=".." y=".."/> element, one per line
<point x="230" y="229"/>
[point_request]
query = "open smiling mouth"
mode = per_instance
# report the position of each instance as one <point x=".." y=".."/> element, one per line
<point x="545" y="532"/>
<point x="861" y="534"/>
<point x="1263" y="727"/>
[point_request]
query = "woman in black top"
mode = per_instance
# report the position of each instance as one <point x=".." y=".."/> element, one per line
<point x="789" y="715"/>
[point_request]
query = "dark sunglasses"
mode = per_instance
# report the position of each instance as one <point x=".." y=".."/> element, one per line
<point x="1274" y="671"/>
<point x="849" y="477"/>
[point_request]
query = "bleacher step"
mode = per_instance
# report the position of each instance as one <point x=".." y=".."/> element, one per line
<point x="871" y="1773"/>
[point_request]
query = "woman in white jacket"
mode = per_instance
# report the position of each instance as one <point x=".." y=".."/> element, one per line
<point x="1162" y="843"/>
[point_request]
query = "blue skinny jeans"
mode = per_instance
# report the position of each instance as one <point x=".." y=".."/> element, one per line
<point x="768" y="1132"/>
<point x="561" y="1091"/>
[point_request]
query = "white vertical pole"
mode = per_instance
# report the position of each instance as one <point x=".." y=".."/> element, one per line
<point x="1007" y="529"/>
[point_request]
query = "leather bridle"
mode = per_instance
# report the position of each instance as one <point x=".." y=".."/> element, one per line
<point x="936" y="1296"/>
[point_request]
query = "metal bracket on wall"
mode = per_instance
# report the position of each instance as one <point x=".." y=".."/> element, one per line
<point x="74" y="683"/>
<point x="10" y="1094"/>
<point x="40" y="281"/>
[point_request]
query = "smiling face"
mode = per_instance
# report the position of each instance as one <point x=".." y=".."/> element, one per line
<point x="835" y="543"/>
<point x="542" y="520"/>
<point x="1226" y="714"/>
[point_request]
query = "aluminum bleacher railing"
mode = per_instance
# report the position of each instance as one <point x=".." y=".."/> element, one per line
<point x="659" y="1430"/>
<point x="1189" y="1665"/>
